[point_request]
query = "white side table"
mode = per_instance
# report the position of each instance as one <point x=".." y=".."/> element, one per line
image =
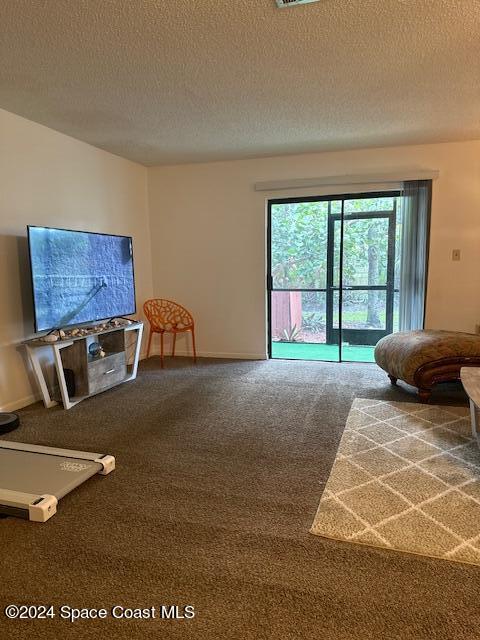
<point x="470" y="377"/>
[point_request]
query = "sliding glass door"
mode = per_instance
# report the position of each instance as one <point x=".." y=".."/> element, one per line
<point x="333" y="278"/>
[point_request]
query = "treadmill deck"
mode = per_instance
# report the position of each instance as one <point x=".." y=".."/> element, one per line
<point x="40" y="473"/>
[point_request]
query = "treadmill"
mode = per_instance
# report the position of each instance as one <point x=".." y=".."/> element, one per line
<point x="34" y="478"/>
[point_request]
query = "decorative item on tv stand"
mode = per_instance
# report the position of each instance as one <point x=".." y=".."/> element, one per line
<point x="87" y="360"/>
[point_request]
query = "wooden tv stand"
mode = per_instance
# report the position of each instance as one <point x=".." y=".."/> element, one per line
<point x="90" y="375"/>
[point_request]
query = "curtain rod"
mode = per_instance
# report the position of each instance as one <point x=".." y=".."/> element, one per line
<point x="366" y="178"/>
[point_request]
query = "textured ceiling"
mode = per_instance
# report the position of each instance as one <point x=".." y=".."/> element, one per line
<point x="167" y="81"/>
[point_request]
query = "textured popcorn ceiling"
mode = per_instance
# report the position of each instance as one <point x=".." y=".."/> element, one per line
<point x="166" y="81"/>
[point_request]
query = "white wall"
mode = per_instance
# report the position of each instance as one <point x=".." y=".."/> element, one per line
<point x="209" y="243"/>
<point x="47" y="178"/>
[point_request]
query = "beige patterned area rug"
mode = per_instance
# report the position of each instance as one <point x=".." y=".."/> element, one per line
<point x="406" y="477"/>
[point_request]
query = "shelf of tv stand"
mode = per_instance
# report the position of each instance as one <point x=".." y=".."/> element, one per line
<point x="91" y="375"/>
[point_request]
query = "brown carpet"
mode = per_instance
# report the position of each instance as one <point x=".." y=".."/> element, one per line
<point x="220" y="471"/>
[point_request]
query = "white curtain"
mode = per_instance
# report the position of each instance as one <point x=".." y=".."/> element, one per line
<point x="415" y="217"/>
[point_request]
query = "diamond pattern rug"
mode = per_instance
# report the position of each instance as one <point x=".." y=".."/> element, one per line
<point x="406" y="477"/>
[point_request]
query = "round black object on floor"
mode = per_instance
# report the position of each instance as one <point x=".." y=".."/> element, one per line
<point x="8" y="422"/>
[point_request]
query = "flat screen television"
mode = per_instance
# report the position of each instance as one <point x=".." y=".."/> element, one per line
<point x="79" y="276"/>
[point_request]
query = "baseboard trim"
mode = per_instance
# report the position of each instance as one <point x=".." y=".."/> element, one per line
<point x="216" y="354"/>
<point x="20" y="403"/>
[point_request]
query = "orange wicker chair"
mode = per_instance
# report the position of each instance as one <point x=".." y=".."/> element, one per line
<point x="166" y="316"/>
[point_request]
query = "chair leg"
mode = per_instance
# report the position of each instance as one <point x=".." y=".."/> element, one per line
<point x="193" y="345"/>
<point x="173" y="345"/>
<point x="149" y="343"/>
<point x="161" y="349"/>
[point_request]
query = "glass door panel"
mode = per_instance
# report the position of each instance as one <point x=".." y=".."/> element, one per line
<point x="367" y="291"/>
<point x="298" y="234"/>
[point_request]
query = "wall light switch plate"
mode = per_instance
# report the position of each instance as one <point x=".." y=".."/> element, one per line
<point x="456" y="254"/>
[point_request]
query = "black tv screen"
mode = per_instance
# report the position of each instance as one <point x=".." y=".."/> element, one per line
<point x="78" y="276"/>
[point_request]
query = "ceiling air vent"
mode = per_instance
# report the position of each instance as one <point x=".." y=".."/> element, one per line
<point x="292" y="3"/>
